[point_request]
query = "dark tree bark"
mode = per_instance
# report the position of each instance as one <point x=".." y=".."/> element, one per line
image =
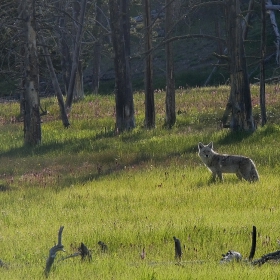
<point x="53" y="251"/>
<point x="239" y="104"/>
<point x="149" y="90"/>
<point x="32" y="119"/>
<point x="262" y="66"/>
<point x="66" y="63"/>
<point x="247" y="19"/>
<point x="254" y="244"/>
<point x="76" y="56"/>
<point x="78" y="91"/>
<point x="97" y="47"/>
<point x="273" y="21"/>
<point x="55" y="83"/>
<point x="123" y="90"/>
<point x="170" y="79"/>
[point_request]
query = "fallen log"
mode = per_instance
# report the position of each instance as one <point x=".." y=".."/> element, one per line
<point x="265" y="258"/>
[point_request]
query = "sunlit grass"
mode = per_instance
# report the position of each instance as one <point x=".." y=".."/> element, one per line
<point x="136" y="189"/>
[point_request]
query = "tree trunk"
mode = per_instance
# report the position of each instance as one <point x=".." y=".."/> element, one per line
<point x="97" y="47"/>
<point x="149" y="90"/>
<point x="66" y="63"/>
<point x="55" y="83"/>
<point x="245" y="25"/>
<point x="170" y="80"/>
<point x="220" y="48"/>
<point x="32" y="119"/>
<point x="275" y="28"/>
<point x="78" y="91"/>
<point x="123" y="91"/>
<point x="240" y="97"/>
<point x="76" y="56"/>
<point x="247" y="19"/>
<point x="262" y="66"/>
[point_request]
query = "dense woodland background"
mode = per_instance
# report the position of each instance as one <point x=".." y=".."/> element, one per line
<point x="66" y="48"/>
<point x="194" y="59"/>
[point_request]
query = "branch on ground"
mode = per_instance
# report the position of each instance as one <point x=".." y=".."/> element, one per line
<point x="53" y="251"/>
<point x="83" y="251"/>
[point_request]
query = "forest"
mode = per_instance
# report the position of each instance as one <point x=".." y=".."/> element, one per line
<point x="71" y="48"/>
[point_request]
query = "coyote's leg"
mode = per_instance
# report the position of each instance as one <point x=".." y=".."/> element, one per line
<point x="213" y="177"/>
<point x="220" y="175"/>
<point x="239" y="175"/>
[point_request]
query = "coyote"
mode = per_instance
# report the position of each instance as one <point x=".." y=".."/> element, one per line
<point x="217" y="163"/>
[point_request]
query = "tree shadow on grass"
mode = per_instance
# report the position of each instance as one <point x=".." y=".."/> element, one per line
<point x="234" y="137"/>
<point x="72" y="145"/>
<point x="100" y="153"/>
<point x="253" y="136"/>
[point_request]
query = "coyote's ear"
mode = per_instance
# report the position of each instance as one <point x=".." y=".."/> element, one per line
<point x="210" y="145"/>
<point x="200" y="145"/>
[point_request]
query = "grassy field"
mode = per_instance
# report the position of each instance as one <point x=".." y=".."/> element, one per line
<point x="137" y="190"/>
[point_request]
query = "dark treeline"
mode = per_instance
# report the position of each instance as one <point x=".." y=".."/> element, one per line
<point x="65" y="48"/>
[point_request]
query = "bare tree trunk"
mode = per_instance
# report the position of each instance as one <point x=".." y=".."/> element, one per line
<point x="247" y="19"/>
<point x="79" y="84"/>
<point x="245" y="25"/>
<point x="123" y="91"/>
<point x="170" y="80"/>
<point x="78" y="91"/>
<point x="55" y="83"/>
<point x="262" y="66"/>
<point x="97" y="47"/>
<point x="96" y="66"/>
<point x="275" y="28"/>
<point x="220" y="48"/>
<point x="239" y="103"/>
<point x="149" y="90"/>
<point x="66" y="63"/>
<point x="22" y="82"/>
<point x="76" y="55"/>
<point x="32" y="119"/>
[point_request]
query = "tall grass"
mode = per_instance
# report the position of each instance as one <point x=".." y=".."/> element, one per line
<point x="136" y="190"/>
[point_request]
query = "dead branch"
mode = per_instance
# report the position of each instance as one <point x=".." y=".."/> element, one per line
<point x="103" y="246"/>
<point x="83" y="251"/>
<point x="2" y="264"/>
<point x="236" y="256"/>
<point x="53" y="251"/>
<point x="254" y="241"/>
<point x="265" y="258"/>
<point x="221" y="56"/>
<point x="178" y="249"/>
<point x="272" y="7"/>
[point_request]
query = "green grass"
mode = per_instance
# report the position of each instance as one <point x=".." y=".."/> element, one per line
<point x="137" y="189"/>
